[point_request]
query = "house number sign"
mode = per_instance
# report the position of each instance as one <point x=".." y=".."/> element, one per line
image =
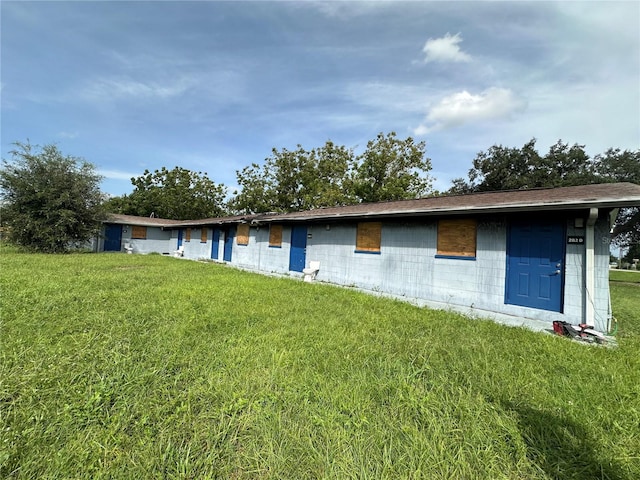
<point x="575" y="240"/>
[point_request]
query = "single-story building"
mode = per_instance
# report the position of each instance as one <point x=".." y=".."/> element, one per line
<point x="128" y="233"/>
<point x="539" y="255"/>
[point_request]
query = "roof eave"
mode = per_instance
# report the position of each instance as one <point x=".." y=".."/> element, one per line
<point x="556" y="206"/>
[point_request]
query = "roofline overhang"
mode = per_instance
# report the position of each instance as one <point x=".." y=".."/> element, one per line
<point x="498" y="209"/>
<point x="209" y="223"/>
<point x="134" y="223"/>
<point x="421" y="208"/>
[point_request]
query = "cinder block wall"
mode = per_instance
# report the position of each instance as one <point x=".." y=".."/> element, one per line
<point x="407" y="265"/>
<point x="157" y="241"/>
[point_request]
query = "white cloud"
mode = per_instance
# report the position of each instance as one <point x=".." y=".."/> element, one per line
<point x="117" y="88"/>
<point x="464" y="107"/>
<point x="445" y="49"/>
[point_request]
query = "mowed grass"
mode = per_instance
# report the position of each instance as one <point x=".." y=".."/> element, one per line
<point x="128" y="366"/>
<point x="626" y="276"/>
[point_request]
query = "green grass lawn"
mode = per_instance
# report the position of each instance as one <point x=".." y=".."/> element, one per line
<point x="626" y="276"/>
<point x="130" y="366"/>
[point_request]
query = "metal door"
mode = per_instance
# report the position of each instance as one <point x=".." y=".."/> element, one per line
<point x="297" y="253"/>
<point x="535" y="265"/>
<point x="215" y="244"/>
<point x="229" y="235"/>
<point x="112" y="238"/>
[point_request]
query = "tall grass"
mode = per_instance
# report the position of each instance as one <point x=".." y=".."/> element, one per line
<point x="124" y="366"/>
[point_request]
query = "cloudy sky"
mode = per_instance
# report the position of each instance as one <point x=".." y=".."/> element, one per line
<point x="214" y="86"/>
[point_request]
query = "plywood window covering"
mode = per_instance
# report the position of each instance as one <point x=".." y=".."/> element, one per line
<point x="243" y="234"/>
<point x="187" y="235"/>
<point x="368" y="237"/>
<point x="203" y="235"/>
<point x="457" y="238"/>
<point x="275" y="235"/>
<point x="139" y="232"/>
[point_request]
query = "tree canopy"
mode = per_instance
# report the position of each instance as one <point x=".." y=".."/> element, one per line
<point x="505" y="168"/>
<point x="178" y="194"/>
<point x="291" y="180"/>
<point x="51" y="202"/>
<point x="392" y="169"/>
<point x="331" y="175"/>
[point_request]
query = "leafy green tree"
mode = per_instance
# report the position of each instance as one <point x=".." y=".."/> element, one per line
<point x="293" y="180"/>
<point x="565" y="166"/>
<point x="392" y="169"/>
<point x="632" y="254"/>
<point x="177" y="194"/>
<point x="255" y="194"/>
<point x="616" y="165"/>
<point x="502" y="168"/>
<point x="389" y="169"/>
<point x="506" y="168"/>
<point x="51" y="202"/>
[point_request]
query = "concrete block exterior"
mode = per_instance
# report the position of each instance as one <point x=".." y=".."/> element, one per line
<point x="194" y="248"/>
<point x="157" y="241"/>
<point x="407" y="265"/>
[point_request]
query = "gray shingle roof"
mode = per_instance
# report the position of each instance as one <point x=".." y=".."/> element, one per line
<point x="139" y="221"/>
<point x="606" y="195"/>
<point x="609" y="195"/>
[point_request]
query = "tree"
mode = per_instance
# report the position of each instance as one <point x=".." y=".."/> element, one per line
<point x="51" y="202"/>
<point x="293" y="180"/>
<point x="178" y="194"/>
<point x="505" y="168"/>
<point x="502" y="168"/>
<point x="392" y="169"/>
<point x="328" y="179"/>
<point x="328" y="176"/>
<point x="615" y="165"/>
<point x="632" y="254"/>
<point x="256" y="193"/>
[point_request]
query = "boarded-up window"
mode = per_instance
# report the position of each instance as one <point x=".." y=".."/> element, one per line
<point x="187" y="235"/>
<point x="203" y="235"/>
<point x="243" y="234"/>
<point x="275" y="235"/>
<point x="368" y="237"/>
<point x="139" y="232"/>
<point x="457" y="238"/>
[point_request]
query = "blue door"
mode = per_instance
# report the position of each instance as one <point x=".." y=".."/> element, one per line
<point x="215" y="243"/>
<point x="297" y="253"/>
<point x="112" y="238"/>
<point x="179" y="238"/>
<point x="228" y="243"/>
<point x="535" y="265"/>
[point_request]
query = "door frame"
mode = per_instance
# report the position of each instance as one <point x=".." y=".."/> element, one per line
<point x="179" y="238"/>
<point x="229" y="235"/>
<point x="558" y="252"/>
<point x="215" y="244"/>
<point x="112" y="227"/>
<point x="298" y="252"/>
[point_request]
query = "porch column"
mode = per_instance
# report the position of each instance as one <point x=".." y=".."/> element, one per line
<point x="590" y="277"/>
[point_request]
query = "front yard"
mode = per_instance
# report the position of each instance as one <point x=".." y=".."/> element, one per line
<point x="125" y="366"/>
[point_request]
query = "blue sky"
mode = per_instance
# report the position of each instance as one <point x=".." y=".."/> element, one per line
<point x="214" y="86"/>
